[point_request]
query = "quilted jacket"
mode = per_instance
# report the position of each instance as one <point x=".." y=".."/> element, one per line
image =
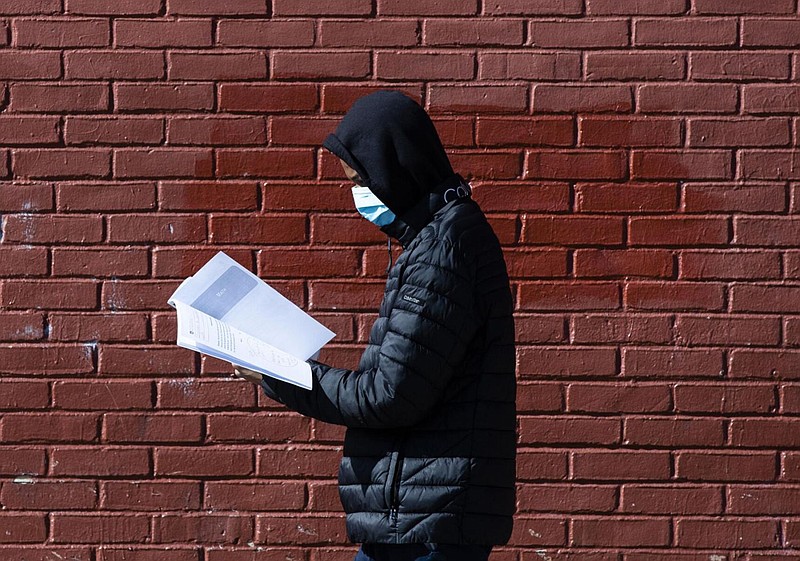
<point x="429" y="451"/>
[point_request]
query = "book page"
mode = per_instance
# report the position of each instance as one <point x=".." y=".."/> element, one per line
<point x="200" y="332"/>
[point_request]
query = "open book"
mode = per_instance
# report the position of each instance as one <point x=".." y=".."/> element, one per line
<point x="227" y="312"/>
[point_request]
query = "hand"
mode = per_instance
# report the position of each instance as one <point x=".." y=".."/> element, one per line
<point x="247" y="374"/>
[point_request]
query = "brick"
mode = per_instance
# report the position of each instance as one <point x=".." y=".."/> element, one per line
<point x="345" y="230"/>
<point x="311" y="8"/>
<point x="30" y="65"/>
<point x="539" y="398"/>
<point x="628" y="398"/>
<point x="324" y="497"/>
<point x="163" y="162"/>
<point x="764" y="230"/>
<point x="181" y="263"/>
<point x="568" y="430"/>
<point x="203" y="462"/>
<point x="23" y="528"/>
<point x="584" y="98"/>
<point x="455" y="131"/>
<point x="421" y="65"/>
<point x="763" y="500"/>
<point x="64" y="162"/>
<point x="477" y="32"/>
<point x="195" y="394"/>
<point x="267" y="98"/>
<point x="59" y="427"/>
<point x="483" y="99"/>
<point x="113" y="130"/>
<point x="675" y="432"/>
<point x="534" y="328"/>
<point x="151" y="495"/>
<point x="200" y="8"/>
<point x="487" y="165"/>
<point x="23" y="326"/>
<point x="338" y="98"/>
<point x="217" y="131"/>
<point x="293" y="530"/>
<point x="100" y="263"/>
<point x="64" y="295"/>
<point x="545" y="263"/>
<point x="25" y="7"/>
<point x="769" y="164"/>
<point x="264" y="33"/>
<point x="566" y="498"/>
<point x="533" y="464"/>
<point x="50" y="495"/>
<point x="621" y="464"/>
<point x="620" y="532"/>
<point x="102" y="528"/>
<point x="530" y="531"/>
<point x="270" y="229"/>
<point x="635" y="66"/>
<point x="632" y="197"/>
<point x="724" y="399"/>
<point x="622" y="131"/>
<point x="568" y="295"/>
<point x="209" y="196"/>
<point x="685" y="32"/>
<point x="122" y="7"/>
<point x="300" y="131"/>
<point x="572" y="230"/>
<point x="763" y="364"/>
<point x="764" y="298"/>
<point x="216" y="66"/>
<point x="341" y="295"/>
<point x="574" y="164"/>
<point x="663" y="499"/>
<point x="419" y="7"/>
<point x="555" y="361"/>
<point x="168" y="97"/>
<point x="770" y="98"/>
<point x="40" y="554"/>
<point x="270" y="427"/>
<point x="685" y="362"/>
<point x="136" y="295"/>
<point x="584" y="33"/>
<point x="259" y="496"/>
<point x="293" y="263"/>
<point x="319" y="64"/>
<point x="15" y="197"/>
<point x="635" y="7"/>
<point x="628" y="263"/>
<point x="763" y="32"/>
<point x="99" y="461"/>
<point x="725" y="330"/>
<point x="706" y="164"/>
<point x="733" y="7"/>
<point x="678" y="230"/>
<point x="104" y="395"/>
<point x="45" y="360"/>
<point x="375" y="33"/>
<point x="24" y="395"/>
<point x="154" y="33"/>
<point x="711" y="197"/>
<point x="71" y="32"/>
<point x="15" y="460"/>
<point x="739" y="133"/>
<point x="265" y="162"/>
<point x="715" y="533"/>
<point x="521" y="196"/>
<point x="739" y="66"/>
<point x="112" y="64"/>
<point x="533" y="7"/>
<point x="764" y="432"/>
<point x="164" y="228"/>
<point x="23" y="130"/>
<point x="138" y="360"/>
<point x="538" y="131"/>
<point x="72" y="197"/>
<point x="725" y="466"/>
<point x="142" y="427"/>
<point x="687" y="98"/>
<point x="45" y="98"/>
<point x="23" y="261"/>
<point x="602" y="328"/>
<point x="531" y="66"/>
<point x="223" y="554"/>
<point x="215" y="529"/>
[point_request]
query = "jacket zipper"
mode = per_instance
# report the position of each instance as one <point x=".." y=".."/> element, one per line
<point x="394" y="506"/>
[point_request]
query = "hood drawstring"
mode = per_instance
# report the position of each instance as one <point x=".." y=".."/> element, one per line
<point x="389" y="266"/>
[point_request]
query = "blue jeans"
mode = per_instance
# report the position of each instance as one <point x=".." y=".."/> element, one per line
<point x="422" y="552"/>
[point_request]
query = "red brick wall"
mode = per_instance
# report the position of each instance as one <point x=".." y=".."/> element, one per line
<point x="637" y="158"/>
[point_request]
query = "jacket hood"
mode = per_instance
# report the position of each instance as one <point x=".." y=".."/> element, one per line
<point x="391" y="142"/>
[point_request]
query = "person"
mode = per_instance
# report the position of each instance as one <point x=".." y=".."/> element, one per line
<point x="428" y="467"/>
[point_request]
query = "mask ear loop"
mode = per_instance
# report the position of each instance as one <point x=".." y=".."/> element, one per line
<point x="389" y="266"/>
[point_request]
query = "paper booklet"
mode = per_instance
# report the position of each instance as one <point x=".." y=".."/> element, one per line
<point x="227" y="312"/>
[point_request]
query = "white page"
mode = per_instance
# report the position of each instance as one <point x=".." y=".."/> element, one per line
<point x="252" y="306"/>
<point x="200" y="332"/>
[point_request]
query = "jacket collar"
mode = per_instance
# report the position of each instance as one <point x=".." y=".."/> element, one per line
<point x="405" y="228"/>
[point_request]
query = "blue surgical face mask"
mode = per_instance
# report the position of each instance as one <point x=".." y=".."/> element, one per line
<point x="371" y="207"/>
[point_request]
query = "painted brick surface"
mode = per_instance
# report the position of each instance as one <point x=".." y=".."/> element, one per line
<point x="638" y="160"/>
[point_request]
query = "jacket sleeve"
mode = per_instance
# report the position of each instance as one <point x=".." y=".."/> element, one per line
<point x="429" y="326"/>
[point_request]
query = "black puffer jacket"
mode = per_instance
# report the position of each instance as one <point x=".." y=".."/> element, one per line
<point x="429" y="453"/>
